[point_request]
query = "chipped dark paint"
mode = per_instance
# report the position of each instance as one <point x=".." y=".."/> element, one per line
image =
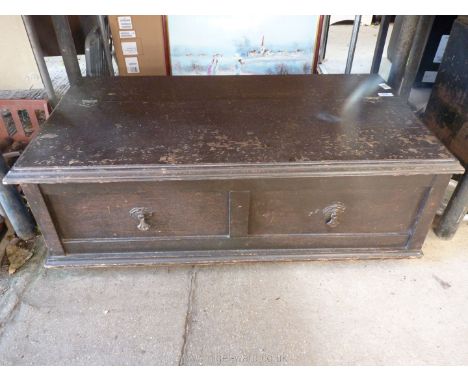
<point x="150" y="121"/>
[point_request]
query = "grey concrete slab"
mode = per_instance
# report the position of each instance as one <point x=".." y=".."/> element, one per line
<point x="125" y="316"/>
<point x="393" y="312"/>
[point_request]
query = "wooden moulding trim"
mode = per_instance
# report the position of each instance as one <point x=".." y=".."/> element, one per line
<point x="149" y="239"/>
<point x="106" y="174"/>
<point x="223" y="256"/>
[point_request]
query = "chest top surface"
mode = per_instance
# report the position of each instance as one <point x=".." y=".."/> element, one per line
<point x="172" y="122"/>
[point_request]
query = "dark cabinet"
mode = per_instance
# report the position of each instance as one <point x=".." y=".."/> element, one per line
<point x="198" y="170"/>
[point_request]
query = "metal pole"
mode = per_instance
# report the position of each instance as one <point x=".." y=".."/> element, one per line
<point x="455" y="211"/>
<point x="39" y="56"/>
<point x="15" y="210"/>
<point x="352" y="44"/>
<point x="393" y="41"/>
<point x="423" y="31"/>
<point x="105" y="40"/>
<point x="323" y="44"/>
<point x="67" y="48"/>
<point x="402" y="50"/>
<point x="380" y="44"/>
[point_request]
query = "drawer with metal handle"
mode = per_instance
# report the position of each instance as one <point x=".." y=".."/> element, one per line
<point x="243" y="214"/>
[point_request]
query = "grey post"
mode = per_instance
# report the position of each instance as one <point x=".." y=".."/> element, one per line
<point x="39" y="56"/>
<point x="67" y="48"/>
<point x="455" y="211"/>
<point x="415" y="55"/>
<point x="15" y="210"/>
<point x="380" y="44"/>
<point x="402" y="50"/>
<point x="352" y="44"/>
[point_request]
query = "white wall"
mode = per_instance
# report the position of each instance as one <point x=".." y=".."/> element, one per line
<point x="365" y="20"/>
<point x="18" y="68"/>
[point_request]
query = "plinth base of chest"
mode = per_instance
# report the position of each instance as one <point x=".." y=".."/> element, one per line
<point x="216" y="256"/>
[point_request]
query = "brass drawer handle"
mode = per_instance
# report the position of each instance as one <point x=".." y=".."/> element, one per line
<point x="332" y="213"/>
<point x="140" y="214"/>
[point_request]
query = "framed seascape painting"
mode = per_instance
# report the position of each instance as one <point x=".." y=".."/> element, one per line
<point x="242" y="45"/>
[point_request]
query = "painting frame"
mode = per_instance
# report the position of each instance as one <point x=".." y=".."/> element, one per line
<point x="265" y="58"/>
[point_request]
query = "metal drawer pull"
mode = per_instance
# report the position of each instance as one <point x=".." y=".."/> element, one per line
<point x="332" y="213"/>
<point x="140" y="214"/>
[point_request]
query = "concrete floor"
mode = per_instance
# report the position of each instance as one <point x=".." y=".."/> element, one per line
<point x="377" y="312"/>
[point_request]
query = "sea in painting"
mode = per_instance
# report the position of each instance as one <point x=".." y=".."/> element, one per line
<point x="242" y="45"/>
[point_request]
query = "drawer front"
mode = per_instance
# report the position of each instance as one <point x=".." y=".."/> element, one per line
<point x="343" y="212"/>
<point x="364" y="205"/>
<point x="136" y="210"/>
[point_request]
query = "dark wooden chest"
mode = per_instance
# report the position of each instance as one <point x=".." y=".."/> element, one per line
<point x="211" y="169"/>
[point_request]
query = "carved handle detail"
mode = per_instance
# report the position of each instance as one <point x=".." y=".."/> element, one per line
<point x="332" y="213"/>
<point x="140" y="214"/>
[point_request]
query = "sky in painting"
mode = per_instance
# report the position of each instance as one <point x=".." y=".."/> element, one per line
<point x="198" y="34"/>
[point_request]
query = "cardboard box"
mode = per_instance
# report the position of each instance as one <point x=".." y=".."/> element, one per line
<point x="140" y="45"/>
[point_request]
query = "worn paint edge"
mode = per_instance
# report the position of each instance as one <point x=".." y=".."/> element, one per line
<point x="222" y="256"/>
<point x="106" y="174"/>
